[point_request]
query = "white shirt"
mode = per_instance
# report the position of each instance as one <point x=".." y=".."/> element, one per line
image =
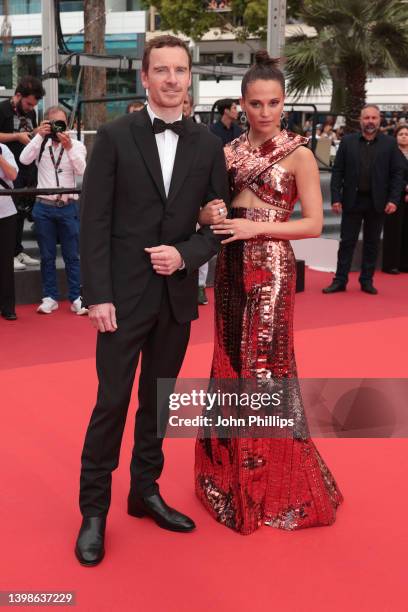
<point x="73" y="163"/>
<point x="167" y="145"/>
<point x="7" y="208"/>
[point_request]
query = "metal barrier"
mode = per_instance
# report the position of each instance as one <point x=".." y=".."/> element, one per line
<point x="35" y="191"/>
<point x="78" y="109"/>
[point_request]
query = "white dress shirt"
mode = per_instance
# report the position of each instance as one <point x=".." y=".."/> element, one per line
<point x="167" y="146"/>
<point x="73" y="163"/>
<point x="7" y="208"/>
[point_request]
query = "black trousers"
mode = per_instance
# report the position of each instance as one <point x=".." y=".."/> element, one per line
<point x="395" y="239"/>
<point x="152" y="331"/>
<point x="350" y="228"/>
<point x="7" y="244"/>
<point x="23" y="179"/>
<point x="18" y="246"/>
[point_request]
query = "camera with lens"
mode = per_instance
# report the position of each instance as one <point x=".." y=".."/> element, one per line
<point x="57" y="127"/>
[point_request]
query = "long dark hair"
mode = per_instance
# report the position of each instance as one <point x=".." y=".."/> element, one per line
<point x="265" y="68"/>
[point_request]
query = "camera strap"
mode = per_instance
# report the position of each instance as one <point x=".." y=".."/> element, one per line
<point x="4" y="184"/>
<point x="57" y="163"/>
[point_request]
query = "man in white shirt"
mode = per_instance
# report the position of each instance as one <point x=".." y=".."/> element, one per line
<point x="146" y="180"/>
<point x="59" y="159"/>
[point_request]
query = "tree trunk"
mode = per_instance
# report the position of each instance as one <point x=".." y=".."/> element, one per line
<point x="338" y="90"/>
<point x="94" y="78"/>
<point x="355" y="94"/>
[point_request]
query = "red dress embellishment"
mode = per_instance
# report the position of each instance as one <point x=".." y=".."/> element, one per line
<point x="246" y="482"/>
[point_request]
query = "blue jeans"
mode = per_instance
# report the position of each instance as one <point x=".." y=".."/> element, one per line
<point x="52" y="223"/>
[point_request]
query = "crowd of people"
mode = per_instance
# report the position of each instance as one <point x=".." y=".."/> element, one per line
<point x="41" y="156"/>
<point x="38" y="156"/>
<point x="332" y="127"/>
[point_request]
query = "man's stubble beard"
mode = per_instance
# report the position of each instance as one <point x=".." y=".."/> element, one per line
<point x="370" y="129"/>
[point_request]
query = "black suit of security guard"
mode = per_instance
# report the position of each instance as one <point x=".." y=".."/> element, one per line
<point x="367" y="174"/>
<point x="125" y="210"/>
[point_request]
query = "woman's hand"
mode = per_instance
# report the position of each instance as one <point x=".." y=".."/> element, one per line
<point x="237" y="229"/>
<point x="213" y="212"/>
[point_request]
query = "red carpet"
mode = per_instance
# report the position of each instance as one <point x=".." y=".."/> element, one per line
<point x="48" y="382"/>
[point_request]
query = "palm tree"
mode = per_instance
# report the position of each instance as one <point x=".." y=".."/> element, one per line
<point x="354" y="39"/>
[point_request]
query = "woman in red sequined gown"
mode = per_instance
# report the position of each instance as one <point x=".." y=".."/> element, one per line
<point x="282" y="481"/>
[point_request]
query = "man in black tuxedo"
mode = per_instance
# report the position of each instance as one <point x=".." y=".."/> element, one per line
<point x="366" y="183"/>
<point x="148" y="176"/>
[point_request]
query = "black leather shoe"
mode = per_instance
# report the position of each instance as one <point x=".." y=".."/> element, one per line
<point x="391" y="271"/>
<point x="369" y="288"/>
<point x="335" y="287"/>
<point x="9" y="316"/>
<point x="155" y="507"/>
<point x="89" y="549"/>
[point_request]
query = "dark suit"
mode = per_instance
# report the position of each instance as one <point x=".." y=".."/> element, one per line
<point x="124" y="210"/>
<point x="395" y="238"/>
<point x="384" y="185"/>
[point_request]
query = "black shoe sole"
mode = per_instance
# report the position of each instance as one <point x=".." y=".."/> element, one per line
<point x="334" y="291"/>
<point x="142" y="514"/>
<point x="88" y="563"/>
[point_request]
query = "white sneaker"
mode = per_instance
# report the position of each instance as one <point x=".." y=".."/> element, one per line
<point x="27" y="260"/>
<point x="47" y="306"/>
<point x="18" y="265"/>
<point x="77" y="307"/>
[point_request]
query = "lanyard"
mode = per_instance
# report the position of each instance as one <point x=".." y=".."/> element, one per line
<point x="57" y="163"/>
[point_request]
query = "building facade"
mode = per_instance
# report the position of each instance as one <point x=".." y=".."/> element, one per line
<point x="20" y="41"/>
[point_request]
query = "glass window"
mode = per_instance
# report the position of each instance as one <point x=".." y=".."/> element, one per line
<point x="21" y="7"/>
<point x="69" y="6"/>
<point x="215" y="59"/>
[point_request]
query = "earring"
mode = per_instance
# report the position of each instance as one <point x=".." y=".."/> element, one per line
<point x="283" y="122"/>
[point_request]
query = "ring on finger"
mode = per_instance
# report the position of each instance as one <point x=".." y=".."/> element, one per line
<point x="221" y="211"/>
<point x="232" y="232"/>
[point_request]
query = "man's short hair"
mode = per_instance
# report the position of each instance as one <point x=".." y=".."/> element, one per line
<point x="135" y="104"/>
<point x="225" y="104"/>
<point x="55" y="109"/>
<point x="377" y="108"/>
<point x="166" y="40"/>
<point x="30" y="86"/>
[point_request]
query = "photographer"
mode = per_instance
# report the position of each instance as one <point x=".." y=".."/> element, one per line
<point x="59" y="159"/>
<point x="8" y="216"/>
<point x="18" y="124"/>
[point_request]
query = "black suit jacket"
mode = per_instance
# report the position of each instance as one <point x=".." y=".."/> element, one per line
<point x="404" y="162"/>
<point x="386" y="172"/>
<point x="124" y="209"/>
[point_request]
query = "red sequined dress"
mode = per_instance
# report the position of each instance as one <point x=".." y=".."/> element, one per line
<point x="281" y="481"/>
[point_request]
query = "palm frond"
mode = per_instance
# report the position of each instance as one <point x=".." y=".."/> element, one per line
<point x="304" y="67"/>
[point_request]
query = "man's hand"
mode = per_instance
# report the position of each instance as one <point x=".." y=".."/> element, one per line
<point x="44" y="129"/>
<point x="390" y="208"/>
<point x="213" y="212"/>
<point x="165" y="259"/>
<point x="23" y="137"/>
<point x="337" y="207"/>
<point x="65" y="140"/>
<point x="103" y="317"/>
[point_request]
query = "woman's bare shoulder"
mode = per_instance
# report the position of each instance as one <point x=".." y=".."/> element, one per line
<point x="303" y="154"/>
<point x="303" y="159"/>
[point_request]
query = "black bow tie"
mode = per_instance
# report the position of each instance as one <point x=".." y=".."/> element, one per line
<point x="160" y="126"/>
